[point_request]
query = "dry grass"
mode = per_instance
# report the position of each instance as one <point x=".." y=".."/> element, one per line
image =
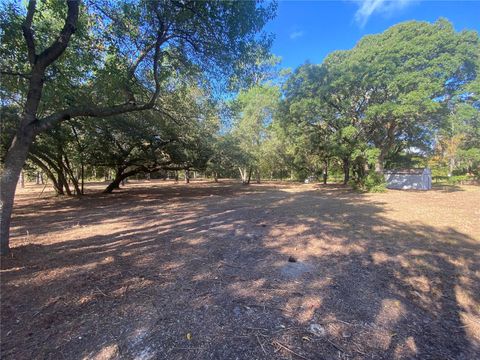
<point x="129" y="275"/>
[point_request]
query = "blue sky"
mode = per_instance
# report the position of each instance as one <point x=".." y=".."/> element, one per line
<point x="309" y="30"/>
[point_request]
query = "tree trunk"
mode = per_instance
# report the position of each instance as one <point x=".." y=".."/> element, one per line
<point x="22" y="179"/>
<point x="62" y="180"/>
<point x="16" y="157"/>
<point x="249" y="176"/>
<point x="37" y="180"/>
<point x="257" y="173"/>
<point x="346" y="170"/>
<point x="14" y="161"/>
<point x="62" y="176"/>
<point x="70" y="174"/>
<point x="115" y="184"/>
<point x="243" y="175"/>
<point x="187" y="176"/>
<point x="379" y="163"/>
<point x="120" y="176"/>
<point x="82" y="177"/>
<point x="325" y="171"/>
<point x="451" y="166"/>
<point x="215" y="176"/>
<point x="56" y="185"/>
<point x="385" y="147"/>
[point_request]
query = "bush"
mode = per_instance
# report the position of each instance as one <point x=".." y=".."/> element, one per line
<point x="373" y="182"/>
<point x="380" y="188"/>
<point x="355" y="185"/>
<point x="457" y="179"/>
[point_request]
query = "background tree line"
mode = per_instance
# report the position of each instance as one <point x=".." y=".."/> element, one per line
<point x="404" y="98"/>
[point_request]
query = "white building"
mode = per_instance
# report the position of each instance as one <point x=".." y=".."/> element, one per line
<point x="409" y="179"/>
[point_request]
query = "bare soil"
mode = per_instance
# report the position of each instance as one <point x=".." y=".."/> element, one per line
<point x="201" y="271"/>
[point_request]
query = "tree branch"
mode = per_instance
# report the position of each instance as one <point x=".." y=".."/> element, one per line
<point x="28" y="32"/>
<point x="93" y="111"/>
<point x="15" y="73"/>
<point x="49" y="121"/>
<point x="50" y="54"/>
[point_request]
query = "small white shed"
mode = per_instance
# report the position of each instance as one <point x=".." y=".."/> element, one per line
<point x="409" y="179"/>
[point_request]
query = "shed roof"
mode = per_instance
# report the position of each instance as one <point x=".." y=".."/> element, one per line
<point x="413" y="171"/>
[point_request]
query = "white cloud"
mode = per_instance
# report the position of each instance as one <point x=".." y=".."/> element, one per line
<point x="296" y="34"/>
<point x="368" y="7"/>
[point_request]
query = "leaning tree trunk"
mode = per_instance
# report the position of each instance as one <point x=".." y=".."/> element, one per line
<point x="119" y="177"/>
<point x="115" y="184"/>
<point x="117" y="180"/>
<point x="58" y="187"/>
<point x="69" y="172"/>
<point x="57" y="167"/>
<point x="16" y="157"/>
<point x="14" y="161"/>
<point x="62" y="179"/>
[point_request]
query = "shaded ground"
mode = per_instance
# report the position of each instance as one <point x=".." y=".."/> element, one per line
<point x="201" y="271"/>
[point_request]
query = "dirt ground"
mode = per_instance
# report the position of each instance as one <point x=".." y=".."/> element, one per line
<point x="201" y="271"/>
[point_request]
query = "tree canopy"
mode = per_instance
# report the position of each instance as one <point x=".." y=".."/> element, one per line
<point x="100" y="58"/>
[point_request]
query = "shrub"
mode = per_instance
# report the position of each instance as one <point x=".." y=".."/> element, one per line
<point x="457" y="179"/>
<point x="373" y="182"/>
<point x="378" y="188"/>
<point x="355" y="185"/>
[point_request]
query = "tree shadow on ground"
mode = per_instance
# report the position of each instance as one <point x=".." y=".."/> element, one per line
<point x="446" y="188"/>
<point x="212" y="263"/>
